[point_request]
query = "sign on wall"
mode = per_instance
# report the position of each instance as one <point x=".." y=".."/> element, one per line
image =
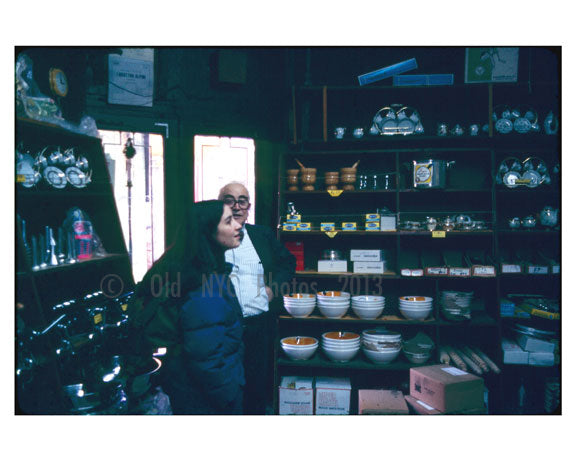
<point x="131" y="77"/>
<point x="491" y="65"/>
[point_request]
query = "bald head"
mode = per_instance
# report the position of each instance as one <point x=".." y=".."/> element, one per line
<point x="238" y="197"/>
<point x="234" y="189"/>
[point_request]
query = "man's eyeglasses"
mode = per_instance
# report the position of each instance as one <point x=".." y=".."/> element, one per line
<point x="242" y="202"/>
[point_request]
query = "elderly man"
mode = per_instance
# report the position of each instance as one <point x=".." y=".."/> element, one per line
<point x="261" y="265"/>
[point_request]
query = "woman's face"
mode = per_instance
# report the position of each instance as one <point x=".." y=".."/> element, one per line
<point x="229" y="232"/>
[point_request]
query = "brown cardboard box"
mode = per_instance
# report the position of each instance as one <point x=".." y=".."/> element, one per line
<point x="381" y="402"/>
<point x="422" y="408"/>
<point x="446" y="388"/>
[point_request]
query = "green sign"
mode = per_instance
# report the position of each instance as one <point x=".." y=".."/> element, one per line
<point x="491" y="65"/>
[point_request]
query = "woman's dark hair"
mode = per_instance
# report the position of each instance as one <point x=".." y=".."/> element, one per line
<point x="194" y="252"/>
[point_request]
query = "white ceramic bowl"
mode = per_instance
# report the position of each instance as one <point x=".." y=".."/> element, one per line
<point x="342" y="336"/>
<point x="383" y="356"/>
<point x="332" y="345"/>
<point x="415" y="314"/>
<point x="368" y="313"/>
<point x="340" y="355"/>
<point x="332" y="295"/>
<point x="369" y="299"/>
<point x="299" y="296"/>
<point x="333" y="312"/>
<point x="300" y="311"/>
<point x="416" y="299"/>
<point x="299" y="353"/>
<point x="299" y="347"/>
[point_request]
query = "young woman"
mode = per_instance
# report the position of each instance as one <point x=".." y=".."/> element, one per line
<point x="203" y="372"/>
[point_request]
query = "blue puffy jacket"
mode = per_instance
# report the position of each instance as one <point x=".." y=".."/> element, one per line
<point x="207" y="376"/>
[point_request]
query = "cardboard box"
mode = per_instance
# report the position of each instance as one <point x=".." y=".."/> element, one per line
<point x="366" y="255"/>
<point x="381" y="402"/>
<point x="423" y="408"/>
<point x="446" y="388"/>
<point x="530" y="344"/>
<point x="349" y="226"/>
<point x="513" y="353"/>
<point x="289" y="227"/>
<point x="296" y="396"/>
<point x="327" y="265"/>
<point x="303" y="226"/>
<point x="542" y="359"/>
<point x="332" y="396"/>
<point x="373" y="217"/>
<point x="372" y="226"/>
<point x="388" y="223"/>
<point x="327" y="226"/>
<point x="368" y="267"/>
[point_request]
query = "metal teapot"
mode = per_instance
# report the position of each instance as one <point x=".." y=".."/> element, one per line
<point x="549" y="216"/>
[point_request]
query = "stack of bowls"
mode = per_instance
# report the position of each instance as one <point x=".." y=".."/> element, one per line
<point x="299" y="347"/>
<point x="415" y="307"/>
<point x="381" y="345"/>
<point x="416" y="353"/>
<point x="456" y="304"/>
<point x="299" y="305"/>
<point x="368" y="307"/>
<point x="340" y="346"/>
<point x="333" y="304"/>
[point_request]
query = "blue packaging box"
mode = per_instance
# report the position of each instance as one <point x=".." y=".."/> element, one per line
<point x="388" y="71"/>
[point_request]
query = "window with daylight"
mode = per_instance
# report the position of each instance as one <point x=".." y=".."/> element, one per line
<point x="139" y="193"/>
<point x="220" y="160"/>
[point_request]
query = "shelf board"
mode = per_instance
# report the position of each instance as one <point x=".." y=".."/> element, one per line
<point x="79" y="264"/>
<point x="319" y="360"/>
<point x="388" y="191"/>
<point x="380" y="233"/>
<point x="477" y="320"/>
<point x="540" y="232"/>
<point x="316" y="274"/>
<point x="54" y="193"/>
<point x="351" y="318"/>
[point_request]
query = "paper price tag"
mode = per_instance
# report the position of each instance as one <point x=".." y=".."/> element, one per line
<point x="124" y="307"/>
<point x="335" y="193"/>
<point x="438" y="234"/>
<point x="331" y="234"/>
<point x="97" y="319"/>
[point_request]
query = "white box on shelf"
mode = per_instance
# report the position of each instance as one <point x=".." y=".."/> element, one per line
<point x="531" y="344"/>
<point x="328" y="265"/>
<point x="388" y="223"/>
<point x="296" y="396"/>
<point x="543" y="359"/>
<point x="332" y="396"/>
<point x="361" y="267"/>
<point x="366" y="255"/>
<point x="513" y="353"/>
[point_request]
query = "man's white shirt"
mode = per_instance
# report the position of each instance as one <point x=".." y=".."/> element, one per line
<point x="247" y="276"/>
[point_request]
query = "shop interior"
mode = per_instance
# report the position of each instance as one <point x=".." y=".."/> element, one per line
<point x="418" y="189"/>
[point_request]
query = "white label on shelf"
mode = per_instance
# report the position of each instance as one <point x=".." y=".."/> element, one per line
<point x="511" y="269"/>
<point x="454" y="371"/>
<point x="555" y="269"/>
<point x="437" y="270"/>
<point x="483" y="270"/>
<point x="459" y="271"/>
<point x="537" y="269"/>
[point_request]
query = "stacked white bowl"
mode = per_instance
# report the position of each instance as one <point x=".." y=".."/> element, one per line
<point x="415" y="307"/>
<point x="340" y="346"/>
<point x="333" y="304"/>
<point x="456" y="304"/>
<point x="299" y="305"/>
<point x="368" y="307"/>
<point x="299" y="347"/>
<point x="381" y="345"/>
